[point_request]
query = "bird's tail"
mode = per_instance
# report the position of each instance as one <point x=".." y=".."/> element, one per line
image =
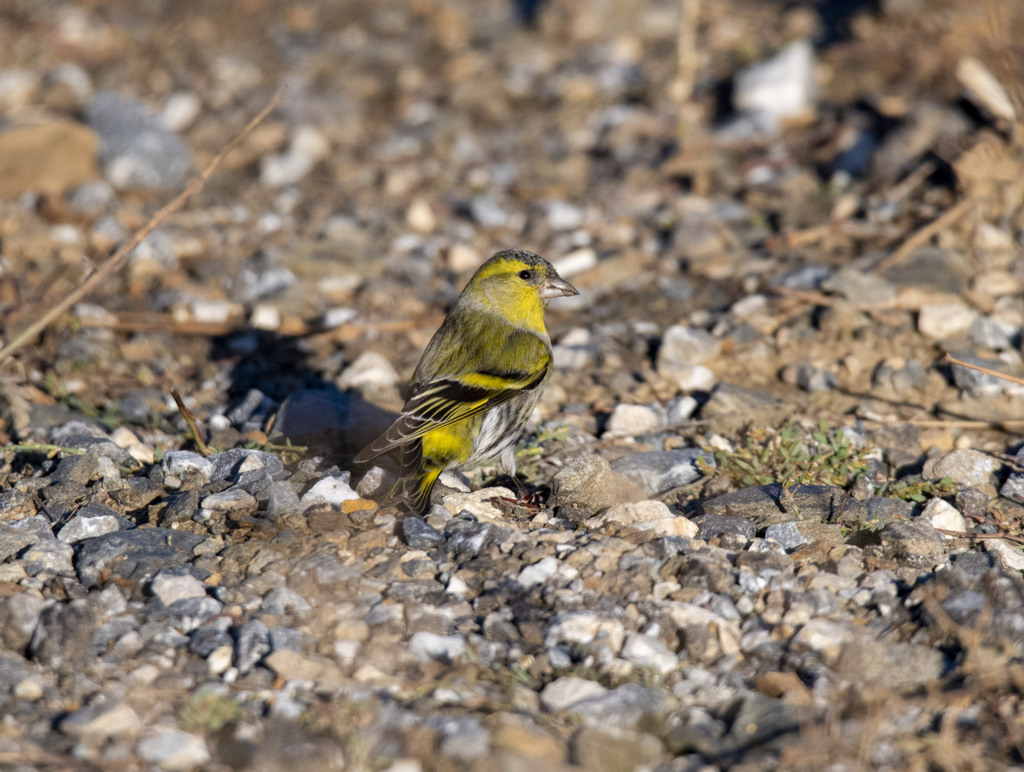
<point x="413" y="492"/>
<point x="415" y="481"/>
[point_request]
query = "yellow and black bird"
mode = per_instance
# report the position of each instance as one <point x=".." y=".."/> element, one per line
<point x="479" y="379"/>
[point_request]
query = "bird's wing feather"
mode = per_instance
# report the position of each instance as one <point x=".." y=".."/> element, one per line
<point x="443" y="402"/>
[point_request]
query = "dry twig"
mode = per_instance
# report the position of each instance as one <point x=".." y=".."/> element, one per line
<point x="921" y="236"/>
<point x="980" y="369"/>
<point x="118" y="258"/>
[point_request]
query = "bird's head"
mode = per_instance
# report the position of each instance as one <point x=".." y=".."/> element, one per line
<point x="518" y="284"/>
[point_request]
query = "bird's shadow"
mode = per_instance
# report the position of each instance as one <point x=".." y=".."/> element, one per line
<point x="309" y="410"/>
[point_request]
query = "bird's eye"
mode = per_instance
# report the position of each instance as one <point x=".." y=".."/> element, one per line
<point x="525" y="275"/>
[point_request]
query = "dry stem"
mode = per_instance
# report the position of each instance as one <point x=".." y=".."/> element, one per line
<point x="117" y="259"/>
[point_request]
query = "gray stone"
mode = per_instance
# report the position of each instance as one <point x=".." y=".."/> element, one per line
<point x="566" y="691"/>
<point x="19" y="615"/>
<point x="914" y="543"/>
<point x="252" y="643"/>
<point x="710" y="526"/>
<point x="191" y="468"/>
<point x="80" y="469"/>
<point x="17" y="505"/>
<point x="101" y="447"/>
<point x="63" y="638"/>
<point x="684" y="347"/>
<point x="15" y="537"/>
<point x="173" y="584"/>
<point x="647" y="651"/>
<point x="180" y="507"/>
<point x="283" y="600"/>
<point x="89" y="522"/>
<point x="979" y="384"/>
<point x="136" y="554"/>
<point x="100" y="721"/>
<point x="418" y="534"/>
<point x="173" y="749"/>
<point x="462" y="737"/>
<point x="965" y="468"/>
<point x="427" y="646"/>
<point x="786" y="534"/>
<point x="624" y="707"/>
<point x="658" y="471"/>
<point x="135" y="149"/>
<point x="48" y="557"/>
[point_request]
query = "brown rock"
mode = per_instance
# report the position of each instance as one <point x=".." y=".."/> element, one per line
<point x="48" y="158"/>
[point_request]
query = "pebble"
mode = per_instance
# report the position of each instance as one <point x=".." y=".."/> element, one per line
<point x="588" y="482"/>
<point x="683" y="347"/>
<point x="944" y="516"/>
<point x="427" y="646"/>
<point x="649" y="652"/>
<point x="50" y="157"/>
<point x="779" y="89"/>
<point x="947" y="320"/>
<point x="135" y="149"/>
<point x="1009" y="556"/>
<point x="329" y="490"/>
<point x="633" y="420"/>
<point x="965" y="468"/>
<point x="172" y="749"/>
<point x="659" y="471"/>
<point x="100" y="722"/>
<point x="174" y="584"/>
<point x="566" y="691"/>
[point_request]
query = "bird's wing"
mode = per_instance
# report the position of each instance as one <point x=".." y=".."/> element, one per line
<point x="445" y="401"/>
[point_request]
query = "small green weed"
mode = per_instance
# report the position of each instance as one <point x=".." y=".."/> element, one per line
<point x="209" y="711"/>
<point x="791" y="456"/>
<point x="530" y="452"/>
<point x="913" y="488"/>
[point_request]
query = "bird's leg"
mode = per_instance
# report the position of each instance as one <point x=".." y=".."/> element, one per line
<point x="508" y="466"/>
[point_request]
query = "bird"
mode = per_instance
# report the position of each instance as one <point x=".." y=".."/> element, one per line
<point x="478" y="380"/>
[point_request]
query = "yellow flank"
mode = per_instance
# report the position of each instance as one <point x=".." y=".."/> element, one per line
<point x="448" y="444"/>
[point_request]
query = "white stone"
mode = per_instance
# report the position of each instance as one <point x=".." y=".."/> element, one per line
<point x="584" y="627"/>
<point x="78" y="528"/>
<point x="577" y="261"/>
<point x="538" y="573"/>
<point x="1010" y="556"/>
<point x="462" y="258"/>
<point x="780" y="88"/>
<point x="371" y="370"/>
<point x="171" y="587"/>
<point x="173" y="749"/>
<point x="220" y="660"/>
<point x="265" y="317"/>
<point x="822" y="636"/>
<point x="427" y="646"/>
<point x="691" y="378"/>
<point x="563" y="216"/>
<point x="686" y="346"/>
<point x="946" y="320"/>
<point x="329" y="490"/>
<point x="180" y="110"/>
<point x="943" y="515"/>
<point x="420" y="216"/>
<point x="564" y="692"/>
<point x="647" y="651"/>
<point x="631" y="420"/>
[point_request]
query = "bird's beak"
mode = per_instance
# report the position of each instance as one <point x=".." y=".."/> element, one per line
<point x="557" y="287"/>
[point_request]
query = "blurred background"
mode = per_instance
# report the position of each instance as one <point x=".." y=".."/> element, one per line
<point x="671" y="157"/>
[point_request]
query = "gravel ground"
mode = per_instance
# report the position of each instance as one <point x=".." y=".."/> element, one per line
<point x="775" y="526"/>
